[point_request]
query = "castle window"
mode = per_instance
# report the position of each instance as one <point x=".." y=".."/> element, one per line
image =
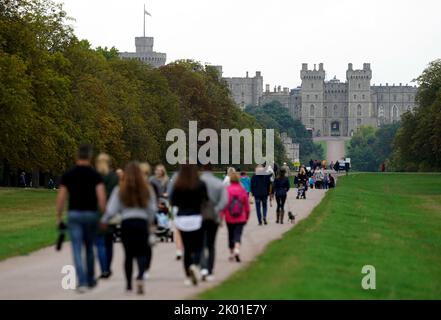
<point x="316" y="97"/>
<point x="395" y="97"/>
<point x="362" y="97"/>
<point x="311" y="110"/>
<point x="312" y="86"/>
<point x="408" y="97"/>
<point x="335" y="111"/>
<point x="325" y="111"/>
<point x="358" y="121"/>
<point x="359" y="86"/>
<point x="355" y="97"/>
<point x="311" y="121"/>
<point x="307" y="97"/>
<point x="359" y="110"/>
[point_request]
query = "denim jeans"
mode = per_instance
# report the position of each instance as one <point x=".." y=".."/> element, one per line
<point x="209" y="228"/>
<point x="82" y="230"/>
<point x="261" y="204"/>
<point x="103" y="252"/>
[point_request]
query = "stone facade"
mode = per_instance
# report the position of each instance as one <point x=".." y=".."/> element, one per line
<point x="292" y="149"/>
<point x="334" y="108"/>
<point x="246" y="91"/>
<point x="144" y="52"/>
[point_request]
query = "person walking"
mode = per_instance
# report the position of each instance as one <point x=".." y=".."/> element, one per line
<point x="104" y="239"/>
<point x="86" y="191"/>
<point x="245" y="181"/>
<point x="281" y="188"/>
<point x="160" y="182"/>
<point x="230" y="171"/>
<point x="302" y="179"/>
<point x="135" y="200"/>
<point x="236" y="215"/>
<point x="188" y="195"/>
<point x="217" y="200"/>
<point x="261" y="189"/>
<point x="286" y="168"/>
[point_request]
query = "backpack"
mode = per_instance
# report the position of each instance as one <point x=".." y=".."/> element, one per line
<point x="235" y="207"/>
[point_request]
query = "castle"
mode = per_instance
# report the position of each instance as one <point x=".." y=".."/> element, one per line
<point x="144" y="53"/>
<point x="330" y="107"/>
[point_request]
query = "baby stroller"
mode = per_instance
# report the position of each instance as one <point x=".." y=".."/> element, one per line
<point x="163" y="231"/>
<point x="301" y="192"/>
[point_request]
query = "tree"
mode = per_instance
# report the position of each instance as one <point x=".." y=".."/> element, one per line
<point x="418" y="141"/>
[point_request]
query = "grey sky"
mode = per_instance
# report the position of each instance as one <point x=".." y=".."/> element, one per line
<point x="398" y="37"/>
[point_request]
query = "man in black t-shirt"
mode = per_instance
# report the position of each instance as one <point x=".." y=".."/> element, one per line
<point x="87" y="197"/>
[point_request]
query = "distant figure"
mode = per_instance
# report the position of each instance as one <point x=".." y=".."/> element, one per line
<point x="160" y="182"/>
<point x="51" y="184"/>
<point x="86" y="192"/>
<point x="261" y="189"/>
<point x="286" y="168"/>
<point x="331" y="165"/>
<point x="230" y="171"/>
<point x="331" y="181"/>
<point x="22" y="180"/>
<point x="383" y="167"/>
<point x="281" y="188"/>
<point x="245" y="181"/>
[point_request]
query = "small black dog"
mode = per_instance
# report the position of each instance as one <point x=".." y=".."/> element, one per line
<point x="291" y="217"/>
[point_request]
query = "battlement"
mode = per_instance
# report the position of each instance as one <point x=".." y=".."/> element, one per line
<point x="315" y="74"/>
<point x="359" y="74"/>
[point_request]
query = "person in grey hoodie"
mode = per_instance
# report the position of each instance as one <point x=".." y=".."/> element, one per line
<point x="217" y="200"/>
<point x="135" y="200"/>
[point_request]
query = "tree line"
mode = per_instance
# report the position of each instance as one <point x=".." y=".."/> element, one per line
<point x="412" y="144"/>
<point x="275" y="115"/>
<point x="57" y="92"/>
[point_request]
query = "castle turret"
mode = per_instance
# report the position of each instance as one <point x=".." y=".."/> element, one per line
<point x="360" y="110"/>
<point x="312" y="97"/>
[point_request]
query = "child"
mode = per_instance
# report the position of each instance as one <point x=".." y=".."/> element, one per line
<point x="245" y="181"/>
<point x="311" y="182"/>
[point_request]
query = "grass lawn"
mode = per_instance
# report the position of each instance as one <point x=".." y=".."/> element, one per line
<point x="27" y="220"/>
<point x="390" y="221"/>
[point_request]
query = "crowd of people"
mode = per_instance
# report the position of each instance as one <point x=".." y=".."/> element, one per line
<point x="105" y="205"/>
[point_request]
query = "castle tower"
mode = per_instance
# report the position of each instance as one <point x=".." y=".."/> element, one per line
<point x="359" y="97"/>
<point x="312" y="98"/>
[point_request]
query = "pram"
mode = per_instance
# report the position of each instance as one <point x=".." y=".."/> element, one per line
<point x="163" y="231"/>
<point x="301" y="192"/>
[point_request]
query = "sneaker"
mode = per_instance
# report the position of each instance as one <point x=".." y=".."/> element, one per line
<point x="264" y="221"/>
<point x="187" y="282"/>
<point x="236" y="254"/>
<point x="260" y="223"/>
<point x="105" y="275"/>
<point x="139" y="286"/>
<point x="193" y="274"/>
<point x="81" y="289"/>
<point x="210" y="278"/>
<point x="178" y="254"/>
<point x="146" y="276"/>
<point x="204" y="274"/>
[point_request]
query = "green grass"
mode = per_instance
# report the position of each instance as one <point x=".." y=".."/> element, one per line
<point x="27" y="220"/>
<point x="390" y="221"/>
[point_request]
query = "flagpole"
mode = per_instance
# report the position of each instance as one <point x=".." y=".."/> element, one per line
<point x="144" y="19"/>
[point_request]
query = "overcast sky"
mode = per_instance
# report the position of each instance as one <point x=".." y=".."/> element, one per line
<point x="398" y="37"/>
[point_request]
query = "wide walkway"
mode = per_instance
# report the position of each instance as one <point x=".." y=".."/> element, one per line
<point x="38" y="276"/>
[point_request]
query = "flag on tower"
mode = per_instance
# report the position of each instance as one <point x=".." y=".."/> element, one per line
<point x="147" y="13"/>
